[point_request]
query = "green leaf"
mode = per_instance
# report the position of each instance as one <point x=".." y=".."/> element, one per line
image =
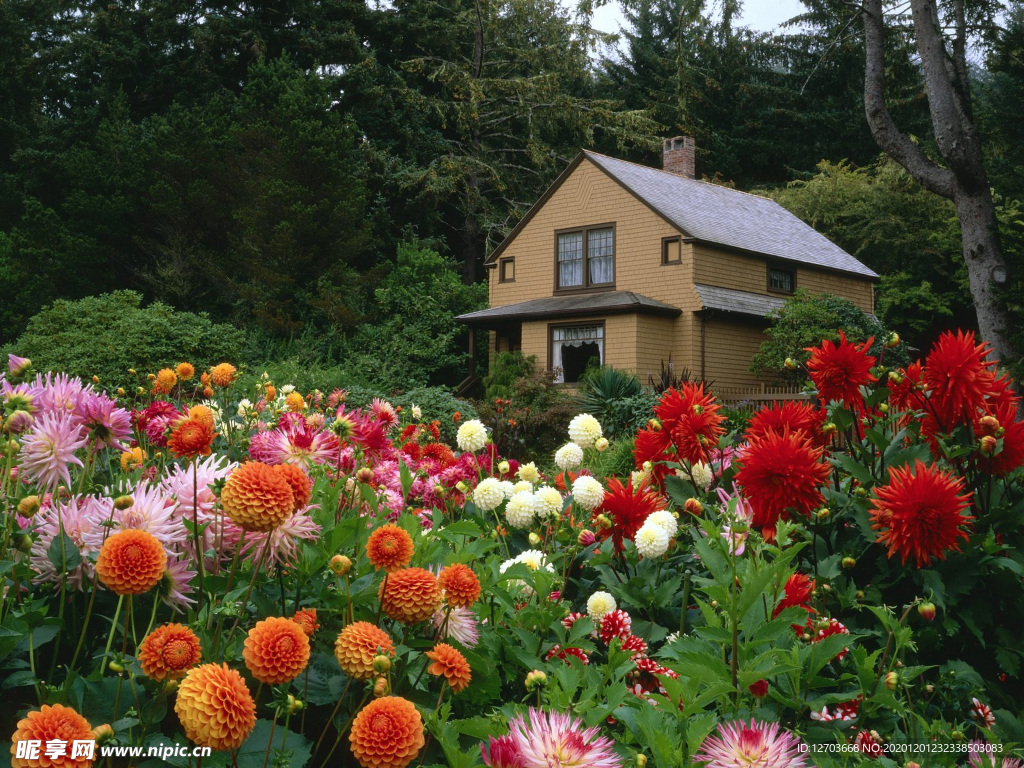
<point x="253" y="752"/>
<point x="67" y="558"/>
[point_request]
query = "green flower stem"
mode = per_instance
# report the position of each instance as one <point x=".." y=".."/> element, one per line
<point x="110" y="637"/>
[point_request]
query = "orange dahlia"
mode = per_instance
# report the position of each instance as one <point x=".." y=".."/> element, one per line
<point x="271" y="391"/>
<point x="51" y="723"/>
<point x="276" y="650"/>
<point x="223" y="375"/>
<point x="919" y="513"/>
<point x="461" y="586"/>
<point x="357" y="644"/>
<point x="839" y="370"/>
<point x="389" y="547"/>
<point x="294" y="402"/>
<point x="257" y="497"/>
<point x="185" y="371"/>
<point x="299" y="482"/>
<point x="201" y="413"/>
<point x="131" y="562"/>
<point x="165" y="380"/>
<point x="133" y="459"/>
<point x="387" y="733"/>
<point x="410" y="595"/>
<point x="215" y="707"/>
<point x="306" y="618"/>
<point x="451" y="665"/>
<point x="169" y="652"/>
<point x="191" y="437"/>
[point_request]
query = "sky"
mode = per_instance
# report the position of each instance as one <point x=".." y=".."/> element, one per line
<point x="762" y="15"/>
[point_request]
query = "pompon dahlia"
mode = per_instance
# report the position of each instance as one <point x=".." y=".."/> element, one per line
<point x="215" y="707"/>
<point x="51" y="723"/>
<point x="840" y="370"/>
<point x="387" y="733"/>
<point x="190" y="438"/>
<point x="299" y="482"/>
<point x="614" y="624"/>
<point x="958" y="377"/>
<point x="168" y="652"/>
<point x="545" y="739"/>
<point x="356" y="646"/>
<point x="449" y="663"/>
<point x="410" y="595"/>
<point x="740" y="744"/>
<point x="460" y="585"/>
<point x="919" y="513"/>
<point x="223" y="375"/>
<point x="257" y="497"/>
<point x="306" y="618"/>
<point x="781" y="472"/>
<point x="389" y="547"/>
<point x="276" y="650"/>
<point x="131" y="562"/>
<point x="185" y="371"/>
<point x="799" y="417"/>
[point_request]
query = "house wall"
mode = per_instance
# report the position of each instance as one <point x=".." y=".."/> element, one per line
<point x="729" y="346"/>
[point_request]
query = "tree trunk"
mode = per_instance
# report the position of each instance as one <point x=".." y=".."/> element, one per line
<point x="984" y="257"/>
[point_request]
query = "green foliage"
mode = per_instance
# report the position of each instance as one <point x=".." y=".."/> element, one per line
<point x="617" y="399"/>
<point x="106" y="335"/>
<point x="505" y="369"/>
<point x="804" y="321"/>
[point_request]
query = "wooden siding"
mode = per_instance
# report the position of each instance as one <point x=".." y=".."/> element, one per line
<point x="729" y="347"/>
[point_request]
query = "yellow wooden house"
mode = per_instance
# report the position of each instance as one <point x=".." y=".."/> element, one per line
<point x="633" y="265"/>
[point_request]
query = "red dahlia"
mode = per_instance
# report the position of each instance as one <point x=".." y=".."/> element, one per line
<point x="919" y="513"/>
<point x="781" y="472"/>
<point x="796" y="593"/>
<point x="628" y="508"/>
<point x="799" y="417"/>
<point x="839" y="370"/>
<point x="690" y="416"/>
<point x="958" y="376"/>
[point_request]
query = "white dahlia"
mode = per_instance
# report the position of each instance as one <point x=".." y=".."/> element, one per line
<point x="488" y="494"/>
<point x="569" y="456"/>
<point x="528" y="472"/>
<point x="547" y="502"/>
<point x="472" y="436"/>
<point x="599" y="604"/>
<point x="665" y="520"/>
<point x="520" y="510"/>
<point x="584" y="430"/>
<point x="588" y="492"/>
<point x="651" y="540"/>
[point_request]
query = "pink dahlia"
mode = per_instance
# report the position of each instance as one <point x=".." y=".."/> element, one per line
<point x="284" y="539"/>
<point x="176" y="585"/>
<point x="384" y="412"/>
<point x="80" y="517"/>
<point x="105" y="423"/>
<point x="48" y="449"/>
<point x="58" y="393"/>
<point x="741" y="745"/>
<point x="154" y="420"/>
<point x="983" y="755"/>
<point x="298" y="444"/>
<point x="559" y="739"/>
<point x="461" y="625"/>
<point x="502" y="752"/>
<point x="153" y="512"/>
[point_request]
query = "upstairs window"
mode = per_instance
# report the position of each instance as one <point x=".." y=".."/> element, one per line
<point x="672" y="250"/>
<point x="585" y="258"/>
<point x="781" y="280"/>
<point x="506" y="270"/>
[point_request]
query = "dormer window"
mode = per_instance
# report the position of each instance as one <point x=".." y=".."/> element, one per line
<point x="585" y="258"/>
<point x="781" y="280"/>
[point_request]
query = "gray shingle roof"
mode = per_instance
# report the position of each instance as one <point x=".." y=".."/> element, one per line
<point x="728" y="217"/>
<point x="604" y="303"/>
<point x="729" y="300"/>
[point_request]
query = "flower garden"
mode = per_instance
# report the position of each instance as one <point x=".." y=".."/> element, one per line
<point x="292" y="581"/>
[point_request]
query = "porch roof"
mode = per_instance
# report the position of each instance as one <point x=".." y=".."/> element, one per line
<point x="740" y="302"/>
<point x="603" y="303"/>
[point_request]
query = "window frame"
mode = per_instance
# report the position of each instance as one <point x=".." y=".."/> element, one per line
<point x="584" y="232"/>
<point x="502" y="263"/>
<point x="584" y="324"/>
<point x="780" y="268"/>
<point x="665" y="261"/>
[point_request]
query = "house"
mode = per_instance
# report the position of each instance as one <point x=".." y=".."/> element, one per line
<point x="632" y="265"/>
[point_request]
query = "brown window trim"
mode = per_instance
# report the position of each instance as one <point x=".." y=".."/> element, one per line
<point x="501" y="270"/>
<point x="665" y="262"/>
<point x="780" y="268"/>
<point x="584" y="323"/>
<point x="587" y="287"/>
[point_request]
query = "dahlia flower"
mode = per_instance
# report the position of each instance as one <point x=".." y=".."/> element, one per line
<point x="920" y="512"/>
<point x="739" y="744"/>
<point x="520" y="510"/>
<point x="587" y="492"/>
<point x="501" y="752"/>
<point x="799" y="417"/>
<point x="410" y="595"/>
<point x="256" y="497"/>
<point x="356" y="646"/>
<point x="276" y="650"/>
<point x="652" y="540"/>
<point x="983" y="713"/>
<point x="457" y="623"/>
<point x="629" y="506"/>
<point x="177" y="584"/>
<point x="190" y="438"/>
<point x="58" y="393"/>
<point x="104" y="422"/>
<point x="223" y="375"/>
<point x="702" y="475"/>
<point x="983" y="755"/>
<point x="958" y="376"/>
<point x="544" y="739"/>
<point x="448" y="663"/>
<point x="131" y="562"/>
<point x="17" y="365"/>
<point x="152" y="511"/>
<point x="569" y="456"/>
<point x="472" y="436"/>
<point x="215" y="707"/>
<point x="460" y="585"/>
<point x="48" y="449"/>
<point x="387" y="733"/>
<point x="488" y="494"/>
<point x="51" y="723"/>
<point x="284" y="539"/>
<point x="528" y="472"/>
<point x="663" y="519"/>
<point x="81" y="517"/>
<point x="168" y="652"/>
<point x="522" y="487"/>
<point x="598" y="604"/>
<point x="298" y="444"/>
<point x="389" y="547"/>
<point x="584" y="430"/>
<point x="547" y="503"/>
<point x="840" y="370"/>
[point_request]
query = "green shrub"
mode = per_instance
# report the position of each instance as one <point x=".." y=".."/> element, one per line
<point x="617" y="399"/>
<point x="108" y="334"/>
<point x="506" y="368"/>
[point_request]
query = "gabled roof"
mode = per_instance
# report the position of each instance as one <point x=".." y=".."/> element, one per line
<point x="741" y="302"/>
<point x="604" y="303"/>
<point x="717" y="215"/>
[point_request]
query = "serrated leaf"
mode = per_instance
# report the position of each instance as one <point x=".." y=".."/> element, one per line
<point x="65" y="558"/>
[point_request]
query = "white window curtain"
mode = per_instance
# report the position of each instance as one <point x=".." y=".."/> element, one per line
<point x="570" y="260"/>
<point x="601" y="256"/>
<point x="575" y="336"/>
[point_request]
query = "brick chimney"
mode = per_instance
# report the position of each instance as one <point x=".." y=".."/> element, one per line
<point x="677" y="156"/>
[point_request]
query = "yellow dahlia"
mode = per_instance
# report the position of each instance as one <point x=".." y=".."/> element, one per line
<point x="185" y="371"/>
<point x="169" y="652"/>
<point x="165" y="380"/>
<point x="294" y="402"/>
<point x="131" y="562"/>
<point x="257" y="497"/>
<point x="215" y="707"/>
<point x="276" y="650"/>
<point x="387" y="733"/>
<point x="133" y="459"/>
<point x="410" y="595"/>
<point x="357" y="644"/>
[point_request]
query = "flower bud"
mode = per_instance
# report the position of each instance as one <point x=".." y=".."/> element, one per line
<point x="103" y="733"/>
<point x="294" y="705"/>
<point x="341" y="564"/>
<point x="641" y="760"/>
<point x="926" y="610"/>
<point x="586" y="537"/>
<point x="714" y="603"/>
<point x="989" y="445"/>
<point x="823" y="513"/>
<point x="534" y="539"/>
<point x="912" y="764"/>
<point x="647" y="466"/>
<point x="892" y="341"/>
<point x="18" y="422"/>
<point x="140" y="390"/>
<point x="654" y="425"/>
<point x="989" y="424"/>
<point x="956" y="735"/>
<point x="883" y="407"/>
<point x="120" y="391"/>
<point x="693" y="506"/>
<point x="759" y="689"/>
<point x="11" y="448"/>
<point x="22" y="542"/>
<point x="364" y="475"/>
<point x="503" y="468"/>
<point x="790" y="364"/>
<point x="116" y="667"/>
<point x="381" y="664"/>
<point x="151" y="377"/>
<point x="28" y="506"/>
<point x="895" y="377"/>
<point x="849" y="563"/>
<point x="124" y="502"/>
<point x="892" y="680"/>
<point x="860" y="594"/>
<point x="461" y="487"/>
<point x="604" y="522"/>
<point x="381" y="687"/>
<point x="601" y="444"/>
<point x="929" y="688"/>
<point x="535" y="679"/>
<point x="860" y="491"/>
<point x="828" y="428"/>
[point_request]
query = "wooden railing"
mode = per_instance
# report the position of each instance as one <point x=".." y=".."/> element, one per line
<point x="759" y="395"/>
